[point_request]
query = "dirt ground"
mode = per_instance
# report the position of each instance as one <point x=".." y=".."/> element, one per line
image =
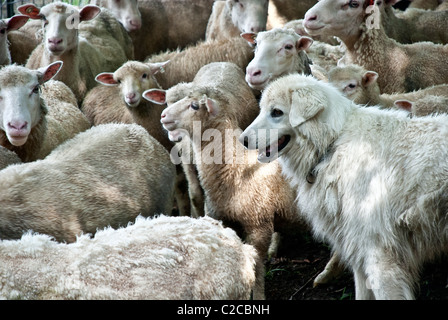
<point x="290" y="275"/>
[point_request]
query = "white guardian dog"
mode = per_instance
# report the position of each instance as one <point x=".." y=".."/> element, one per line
<point x="372" y="183"/>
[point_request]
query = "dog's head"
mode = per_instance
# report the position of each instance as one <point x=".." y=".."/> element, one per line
<point x="293" y="107"/>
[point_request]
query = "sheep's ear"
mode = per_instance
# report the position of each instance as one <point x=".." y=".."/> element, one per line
<point x="212" y="106"/>
<point x="303" y="107"/>
<point x="249" y="37"/>
<point x="16" y="22"/>
<point x="106" y="78"/>
<point x="157" y="96"/>
<point x="49" y="72"/>
<point x="369" y="78"/>
<point x="303" y="43"/>
<point x="158" y="67"/>
<point x="404" y="105"/>
<point x="30" y="10"/>
<point x="89" y="12"/>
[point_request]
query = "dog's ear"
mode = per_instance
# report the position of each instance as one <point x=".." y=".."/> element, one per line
<point x="304" y="106"/>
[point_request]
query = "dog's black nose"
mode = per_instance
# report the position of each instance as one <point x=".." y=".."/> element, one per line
<point x="246" y="142"/>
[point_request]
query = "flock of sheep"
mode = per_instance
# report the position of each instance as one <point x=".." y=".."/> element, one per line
<point x="144" y="155"/>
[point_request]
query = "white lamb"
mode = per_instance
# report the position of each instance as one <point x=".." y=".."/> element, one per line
<point x="120" y="100"/>
<point x="361" y="86"/>
<point x="250" y="196"/>
<point x="105" y="176"/>
<point x="88" y="40"/>
<point x="163" y="258"/>
<point x="158" y="25"/>
<point x="371" y="182"/>
<point x="36" y="113"/>
<point x="229" y="18"/>
<point x="7" y="25"/>
<point x="278" y="52"/>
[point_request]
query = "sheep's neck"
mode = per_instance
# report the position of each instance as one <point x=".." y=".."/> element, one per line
<point x="69" y="73"/>
<point x="5" y="56"/>
<point x="228" y="166"/>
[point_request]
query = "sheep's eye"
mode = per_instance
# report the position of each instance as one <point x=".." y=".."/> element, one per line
<point x="194" y="106"/>
<point x="145" y="75"/>
<point x="36" y="89"/>
<point x="353" y="4"/>
<point x="3" y="31"/>
<point x="288" y="47"/>
<point x="275" y="113"/>
<point x="351" y="86"/>
<point x="118" y="80"/>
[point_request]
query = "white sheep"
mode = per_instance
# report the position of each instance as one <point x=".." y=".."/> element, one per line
<point x="238" y="190"/>
<point x="401" y="68"/>
<point x="6" y="26"/>
<point x="119" y="100"/>
<point x="229" y="18"/>
<point x="361" y="86"/>
<point x="278" y="52"/>
<point x="419" y="24"/>
<point x="159" y="25"/>
<point x="88" y="40"/>
<point x="37" y="113"/>
<point x="372" y="183"/>
<point x="162" y="258"/>
<point x="105" y="176"/>
<point x="126" y="12"/>
<point x="428" y="105"/>
<point x="184" y="64"/>
<point x="7" y="157"/>
<point x="413" y="25"/>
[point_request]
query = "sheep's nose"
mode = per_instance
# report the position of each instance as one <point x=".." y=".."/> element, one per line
<point x="310" y="17"/>
<point x="55" y="40"/>
<point x="18" y="125"/>
<point x="131" y="96"/>
<point x="255" y="72"/>
<point x="135" y="24"/>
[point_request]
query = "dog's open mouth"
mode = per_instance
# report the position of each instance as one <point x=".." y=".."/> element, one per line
<point x="275" y="148"/>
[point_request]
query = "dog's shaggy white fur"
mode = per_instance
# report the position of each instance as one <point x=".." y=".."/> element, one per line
<point x="373" y="183"/>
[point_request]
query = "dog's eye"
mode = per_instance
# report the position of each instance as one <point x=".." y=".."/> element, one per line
<point x="194" y="106"/>
<point x="353" y="4"/>
<point x="275" y="113"/>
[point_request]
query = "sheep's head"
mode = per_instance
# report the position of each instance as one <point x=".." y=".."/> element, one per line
<point x="6" y="25"/>
<point x="340" y="18"/>
<point x="192" y="111"/>
<point x="249" y="15"/>
<point x="20" y="102"/>
<point x="60" y="22"/>
<point x="356" y="83"/>
<point x="133" y="78"/>
<point x="126" y="12"/>
<point x="278" y="52"/>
